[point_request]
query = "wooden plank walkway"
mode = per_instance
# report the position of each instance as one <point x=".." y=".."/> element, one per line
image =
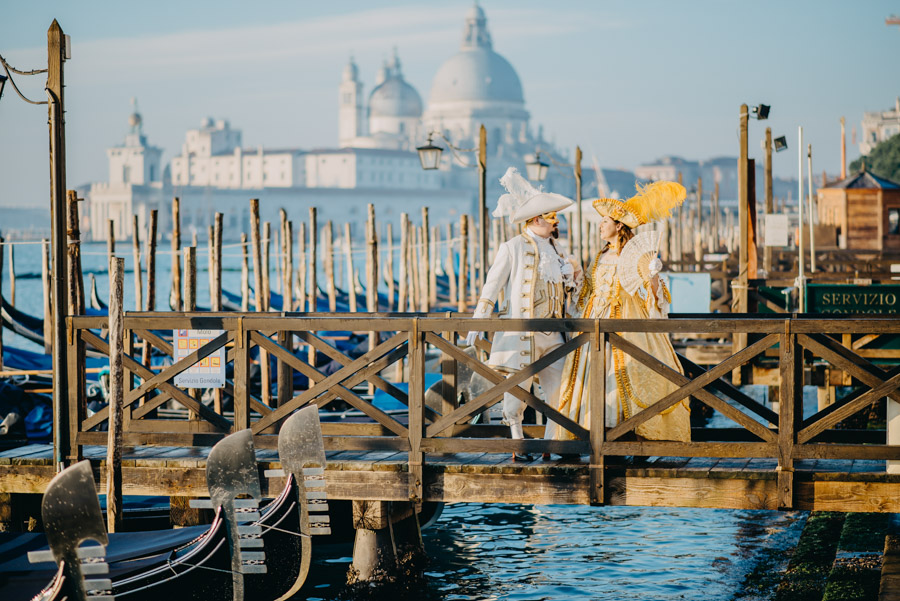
<point x="732" y="483"/>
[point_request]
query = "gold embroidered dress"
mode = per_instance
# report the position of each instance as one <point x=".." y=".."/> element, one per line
<point x="630" y="385"/>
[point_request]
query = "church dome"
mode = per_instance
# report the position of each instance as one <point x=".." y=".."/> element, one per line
<point x="395" y="98"/>
<point x="476" y="73"/>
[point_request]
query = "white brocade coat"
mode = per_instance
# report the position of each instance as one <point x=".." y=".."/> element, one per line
<point x="513" y="279"/>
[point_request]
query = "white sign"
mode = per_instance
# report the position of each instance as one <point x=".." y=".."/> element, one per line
<point x="776" y="230"/>
<point x="691" y="292"/>
<point x="208" y="372"/>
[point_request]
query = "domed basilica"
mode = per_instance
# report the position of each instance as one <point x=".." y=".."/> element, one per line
<point x="473" y="87"/>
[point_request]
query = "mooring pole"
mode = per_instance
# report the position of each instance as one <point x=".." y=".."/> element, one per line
<point x="56" y="40"/>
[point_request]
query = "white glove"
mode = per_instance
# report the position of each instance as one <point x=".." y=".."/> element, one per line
<point x="655" y="266"/>
<point x="567" y="269"/>
<point x="471" y="337"/>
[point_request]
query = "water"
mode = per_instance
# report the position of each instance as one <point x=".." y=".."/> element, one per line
<point x="513" y="551"/>
<point x="574" y="552"/>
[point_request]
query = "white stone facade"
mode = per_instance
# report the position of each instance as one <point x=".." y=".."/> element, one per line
<point x="878" y="126"/>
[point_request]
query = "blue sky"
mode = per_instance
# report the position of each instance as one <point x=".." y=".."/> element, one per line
<point x="628" y="81"/>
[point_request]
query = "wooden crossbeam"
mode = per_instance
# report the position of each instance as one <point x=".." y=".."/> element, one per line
<point x="138" y="368"/>
<point x="379" y="382"/>
<point x="693" y="370"/>
<point x="846" y="409"/>
<point x="156" y="341"/>
<point x="312" y="373"/>
<point x="692" y="387"/>
<point x="841" y="357"/>
<point x="504" y="385"/>
<point x="325" y="384"/>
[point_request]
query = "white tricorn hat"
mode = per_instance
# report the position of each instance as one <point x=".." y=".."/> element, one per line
<point x="523" y="201"/>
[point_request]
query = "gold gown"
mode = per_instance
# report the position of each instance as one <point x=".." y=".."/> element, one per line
<point x="630" y="385"/>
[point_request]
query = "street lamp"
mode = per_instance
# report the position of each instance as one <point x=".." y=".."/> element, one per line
<point x="429" y="155"/>
<point x="430" y="158"/>
<point x="780" y="144"/>
<point x="761" y="112"/>
<point x="3" y="79"/>
<point x="536" y="169"/>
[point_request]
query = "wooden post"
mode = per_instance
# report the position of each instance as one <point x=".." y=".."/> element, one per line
<point x="257" y="254"/>
<point x="12" y="274"/>
<point x="110" y="244"/>
<point x="176" y="255"/>
<point x="116" y="396"/>
<point x="579" y="218"/>
<point x="312" y="273"/>
<point x="598" y="414"/>
<point x="151" y="265"/>
<point x="136" y="253"/>
<point x="312" y="277"/>
<point x="699" y="230"/>
<point x="245" y="275"/>
<point x="301" y="268"/>
<point x="211" y="264"/>
<point x="421" y="278"/>
<point x="288" y="269"/>
<point x="791" y="396"/>
<point x="76" y="281"/>
<point x="404" y="251"/>
<point x="328" y="258"/>
<point x="266" y="266"/>
<point x="716" y="215"/>
<point x="416" y="414"/>
<point x="280" y="248"/>
<point x="190" y="301"/>
<point x="425" y="259"/>
<point x="767" y="250"/>
<point x="473" y="280"/>
<point x="739" y="287"/>
<point x="482" y="239"/>
<point x="48" y="305"/>
<point x="372" y="289"/>
<point x="389" y="265"/>
<point x="451" y="269"/>
<point x="351" y="283"/>
<point x="413" y="267"/>
<point x="215" y="289"/>
<point x="462" y="305"/>
<point x="433" y="267"/>
<point x="65" y="450"/>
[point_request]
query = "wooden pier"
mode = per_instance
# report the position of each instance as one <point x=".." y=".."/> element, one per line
<point x="772" y="458"/>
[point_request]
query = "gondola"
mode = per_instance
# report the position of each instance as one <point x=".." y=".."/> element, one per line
<point x="245" y="554"/>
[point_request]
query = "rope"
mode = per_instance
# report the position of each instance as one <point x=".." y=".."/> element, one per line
<point x="15" y="87"/>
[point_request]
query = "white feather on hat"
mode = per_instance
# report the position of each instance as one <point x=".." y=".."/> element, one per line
<point x="523" y="201"/>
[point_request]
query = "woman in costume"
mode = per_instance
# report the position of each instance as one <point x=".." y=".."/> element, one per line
<point x="630" y="385"/>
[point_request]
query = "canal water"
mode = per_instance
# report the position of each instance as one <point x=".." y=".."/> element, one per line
<point x="513" y="551"/>
<point x="558" y="552"/>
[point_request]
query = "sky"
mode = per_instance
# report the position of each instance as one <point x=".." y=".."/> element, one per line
<point x="628" y="81"/>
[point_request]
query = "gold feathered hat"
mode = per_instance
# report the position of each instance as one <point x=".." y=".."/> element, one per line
<point x="652" y="201"/>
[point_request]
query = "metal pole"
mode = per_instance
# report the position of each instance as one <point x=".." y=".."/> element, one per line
<point x="800" y="251"/>
<point x="578" y="219"/>
<point x="482" y="203"/>
<point x="812" y="218"/>
<point x="55" y="95"/>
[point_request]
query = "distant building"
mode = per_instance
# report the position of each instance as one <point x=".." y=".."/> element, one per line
<point x="878" y="126"/>
<point x="135" y="186"/>
<point x="375" y="159"/>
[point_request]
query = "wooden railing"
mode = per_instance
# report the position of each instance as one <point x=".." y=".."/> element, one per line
<point x="788" y="344"/>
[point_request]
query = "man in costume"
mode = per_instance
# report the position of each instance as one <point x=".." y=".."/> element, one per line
<point x="532" y="279"/>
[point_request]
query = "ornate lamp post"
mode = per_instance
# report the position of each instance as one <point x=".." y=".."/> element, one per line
<point x="430" y="157"/>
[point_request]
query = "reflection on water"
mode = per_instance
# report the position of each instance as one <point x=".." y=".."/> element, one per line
<point x="573" y="552"/>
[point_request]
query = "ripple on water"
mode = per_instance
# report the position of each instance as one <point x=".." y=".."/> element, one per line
<point x="569" y="552"/>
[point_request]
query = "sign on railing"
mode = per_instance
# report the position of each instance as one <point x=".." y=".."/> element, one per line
<point x="209" y="372"/>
